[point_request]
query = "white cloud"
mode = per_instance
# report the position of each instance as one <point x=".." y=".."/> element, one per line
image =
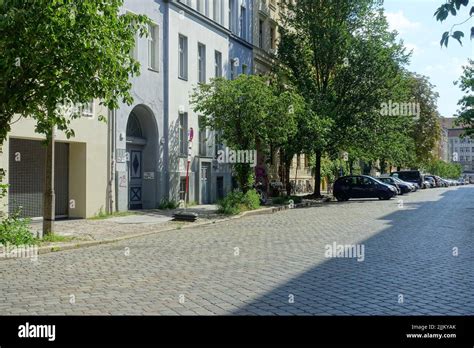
<point x="399" y="22"/>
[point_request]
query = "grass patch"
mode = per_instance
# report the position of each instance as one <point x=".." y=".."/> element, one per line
<point x="285" y="200"/>
<point x="56" y="238"/>
<point x="101" y="215"/>
<point x="166" y="204"/>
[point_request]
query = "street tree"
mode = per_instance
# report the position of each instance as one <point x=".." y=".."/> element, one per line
<point x="247" y="111"/>
<point x="466" y="111"/>
<point x="344" y="61"/>
<point x="63" y="52"/>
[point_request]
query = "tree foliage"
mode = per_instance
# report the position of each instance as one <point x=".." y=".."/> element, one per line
<point x="466" y="111"/>
<point x="246" y="111"/>
<point x="63" y="52"/>
<point x="453" y="7"/>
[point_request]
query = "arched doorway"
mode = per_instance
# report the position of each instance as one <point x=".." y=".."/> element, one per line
<point x="142" y="135"/>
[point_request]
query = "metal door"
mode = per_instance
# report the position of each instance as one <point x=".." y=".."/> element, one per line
<point x="135" y="174"/>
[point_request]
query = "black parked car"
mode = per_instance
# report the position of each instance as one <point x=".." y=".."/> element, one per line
<point x="362" y="186"/>
<point x="391" y="181"/>
<point x="409" y="176"/>
<point x="403" y="187"/>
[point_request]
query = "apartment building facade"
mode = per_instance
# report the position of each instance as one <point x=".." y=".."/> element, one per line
<point x="460" y="149"/>
<point x="81" y="167"/>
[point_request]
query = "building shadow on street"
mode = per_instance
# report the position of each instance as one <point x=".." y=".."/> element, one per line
<point x="409" y="268"/>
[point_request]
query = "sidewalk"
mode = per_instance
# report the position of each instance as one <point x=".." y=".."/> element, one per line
<point x="88" y="232"/>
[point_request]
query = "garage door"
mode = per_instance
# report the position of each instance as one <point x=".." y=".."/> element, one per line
<point x="26" y="177"/>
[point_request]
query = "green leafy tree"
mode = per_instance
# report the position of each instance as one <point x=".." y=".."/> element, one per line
<point x="453" y="7"/>
<point x="247" y="111"/>
<point x="344" y="61"/>
<point x="466" y="112"/>
<point x="63" y="51"/>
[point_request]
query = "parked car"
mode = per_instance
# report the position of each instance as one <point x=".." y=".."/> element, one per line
<point x="362" y="186"/>
<point x="404" y="186"/>
<point x="413" y="176"/>
<point x="431" y="180"/>
<point x="411" y="186"/>
<point x="436" y="179"/>
<point x="445" y="182"/>
<point x="391" y="181"/>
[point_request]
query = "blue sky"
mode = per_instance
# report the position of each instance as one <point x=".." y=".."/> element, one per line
<point x="420" y="31"/>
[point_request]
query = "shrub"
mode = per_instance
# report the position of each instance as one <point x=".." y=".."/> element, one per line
<point x="16" y="231"/>
<point x="13" y="229"/>
<point x="166" y="204"/>
<point x="236" y="202"/>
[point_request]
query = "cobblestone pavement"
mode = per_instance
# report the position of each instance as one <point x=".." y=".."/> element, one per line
<point x="269" y="264"/>
<point x="138" y="222"/>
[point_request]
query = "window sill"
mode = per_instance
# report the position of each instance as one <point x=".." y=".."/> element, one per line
<point x="153" y="70"/>
<point x="183" y="78"/>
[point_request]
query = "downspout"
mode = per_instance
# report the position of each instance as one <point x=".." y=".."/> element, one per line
<point x="111" y="164"/>
<point x="166" y="60"/>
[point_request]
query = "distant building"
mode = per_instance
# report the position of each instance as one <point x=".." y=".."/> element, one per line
<point x="460" y="149"/>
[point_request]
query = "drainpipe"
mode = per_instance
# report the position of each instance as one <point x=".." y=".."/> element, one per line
<point x="166" y="60"/>
<point x="111" y="162"/>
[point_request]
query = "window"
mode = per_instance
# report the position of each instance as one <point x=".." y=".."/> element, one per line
<point x="182" y="189"/>
<point x="199" y="5"/>
<point x="153" y="42"/>
<point x="183" y="57"/>
<point x="202" y="139"/>
<point x="260" y="33"/>
<point x="298" y="161"/>
<point x="244" y="68"/>
<point x="232" y="69"/>
<point x="272" y="38"/>
<point x="231" y="15"/>
<point x="217" y="11"/>
<point x="201" y="63"/>
<point x="243" y="22"/>
<point x="183" y="134"/>
<point x="88" y="109"/>
<point x="217" y="143"/>
<point x="218" y="63"/>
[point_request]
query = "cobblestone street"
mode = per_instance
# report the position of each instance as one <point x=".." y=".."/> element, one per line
<point x="269" y="264"/>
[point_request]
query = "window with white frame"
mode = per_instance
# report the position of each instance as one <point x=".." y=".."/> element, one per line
<point x="153" y="47"/>
<point x="183" y="57"/>
<point x="218" y="11"/>
<point x="218" y="63"/>
<point x="201" y="63"/>
<point x="88" y="109"/>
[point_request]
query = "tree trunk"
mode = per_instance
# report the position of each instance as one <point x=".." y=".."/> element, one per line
<point x="317" y="170"/>
<point x="49" y="194"/>
<point x="287" y="177"/>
